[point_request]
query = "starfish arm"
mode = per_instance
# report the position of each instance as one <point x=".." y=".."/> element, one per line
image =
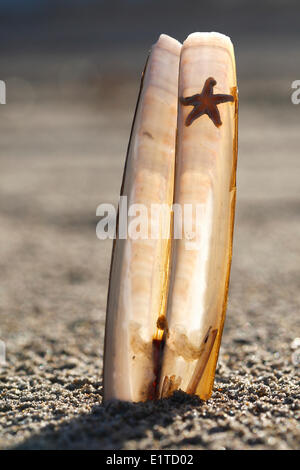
<point x="222" y="98"/>
<point x="194" y="114"/>
<point x="214" y="115"/>
<point x="189" y="100"/>
<point x="209" y="86"/>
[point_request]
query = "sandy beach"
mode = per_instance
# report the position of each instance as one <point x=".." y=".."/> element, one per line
<point x="62" y="149"/>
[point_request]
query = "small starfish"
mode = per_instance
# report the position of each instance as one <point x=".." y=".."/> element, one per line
<point x="205" y="103"/>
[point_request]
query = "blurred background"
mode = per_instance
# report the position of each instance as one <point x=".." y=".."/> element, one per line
<point x="72" y="71"/>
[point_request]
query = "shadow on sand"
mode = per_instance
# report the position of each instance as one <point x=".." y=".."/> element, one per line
<point x="111" y="425"/>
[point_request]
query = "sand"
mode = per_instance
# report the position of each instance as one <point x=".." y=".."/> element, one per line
<point x="62" y="152"/>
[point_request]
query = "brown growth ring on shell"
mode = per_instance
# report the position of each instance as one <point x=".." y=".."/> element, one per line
<point x="206" y="103"/>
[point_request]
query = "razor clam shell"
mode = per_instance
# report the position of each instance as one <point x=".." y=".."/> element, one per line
<point x="139" y="268"/>
<point x="205" y="175"/>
